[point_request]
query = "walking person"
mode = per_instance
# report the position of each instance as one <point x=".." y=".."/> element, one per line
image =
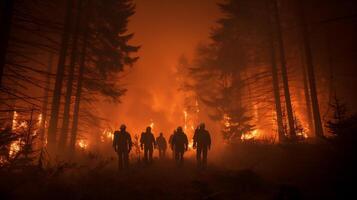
<point x="180" y="145"/>
<point x="202" y="143"/>
<point x="161" y="145"/>
<point x="122" y="146"/>
<point x="147" y="143"/>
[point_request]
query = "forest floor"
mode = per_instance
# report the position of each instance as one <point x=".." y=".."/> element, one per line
<point x="243" y="172"/>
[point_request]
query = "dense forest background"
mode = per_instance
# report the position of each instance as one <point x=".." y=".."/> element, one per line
<point x="276" y="70"/>
<point x="274" y="81"/>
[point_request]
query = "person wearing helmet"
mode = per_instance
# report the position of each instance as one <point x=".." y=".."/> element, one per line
<point x="180" y="145"/>
<point x="147" y="143"/>
<point x="202" y="143"/>
<point x="122" y="145"/>
<point x="162" y="145"/>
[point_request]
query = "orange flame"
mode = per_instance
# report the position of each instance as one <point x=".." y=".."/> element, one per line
<point x="83" y="144"/>
<point x="252" y="135"/>
<point x="15" y="147"/>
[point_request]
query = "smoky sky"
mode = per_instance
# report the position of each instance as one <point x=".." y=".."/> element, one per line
<point x="165" y="30"/>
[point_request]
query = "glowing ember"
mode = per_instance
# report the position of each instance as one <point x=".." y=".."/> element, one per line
<point x="14" y="120"/>
<point x="226" y="121"/>
<point x="303" y="134"/>
<point x="15" y="147"/>
<point x="197" y="107"/>
<point x="83" y="144"/>
<point x="39" y="119"/>
<point x="16" y="124"/>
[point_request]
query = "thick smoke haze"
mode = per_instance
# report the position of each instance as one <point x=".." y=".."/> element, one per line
<point x="165" y="30"/>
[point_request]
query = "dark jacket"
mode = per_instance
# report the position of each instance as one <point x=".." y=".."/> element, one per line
<point x="122" y="141"/>
<point x="202" y="138"/>
<point x="180" y="141"/>
<point x="147" y="140"/>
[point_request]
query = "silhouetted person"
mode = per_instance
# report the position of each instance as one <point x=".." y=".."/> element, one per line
<point x="162" y="145"/>
<point x="180" y="145"/>
<point x="147" y="142"/>
<point x="122" y="145"/>
<point x="171" y="146"/>
<point x="201" y="141"/>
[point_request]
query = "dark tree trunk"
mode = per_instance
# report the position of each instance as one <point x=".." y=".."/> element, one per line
<point x="52" y="129"/>
<point x="275" y="73"/>
<point x="78" y="92"/>
<point x="67" y="105"/>
<point x="45" y="101"/>
<point x="307" y="98"/>
<point x="284" y="73"/>
<point x="276" y="88"/>
<point x="6" y="18"/>
<point x="310" y="73"/>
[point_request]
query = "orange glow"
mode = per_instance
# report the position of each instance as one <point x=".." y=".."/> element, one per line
<point x="249" y="136"/>
<point x="190" y="145"/>
<point x="152" y="124"/>
<point x="15" y="147"/>
<point x="226" y="121"/>
<point x="39" y="118"/>
<point x="3" y="161"/>
<point x="185" y="117"/>
<point x="83" y="144"/>
<point x="107" y="134"/>
<point x="14" y="120"/>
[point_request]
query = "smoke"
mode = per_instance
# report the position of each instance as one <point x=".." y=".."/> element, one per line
<point x="153" y="95"/>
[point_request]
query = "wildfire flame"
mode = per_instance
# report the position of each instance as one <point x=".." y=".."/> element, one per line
<point x="83" y="144"/>
<point x="185" y="118"/>
<point x="226" y="121"/>
<point x="304" y="135"/>
<point x="252" y="135"/>
<point x="39" y="118"/>
<point x="14" y="120"/>
<point x="15" y="147"/>
<point x="152" y="124"/>
<point x="107" y="134"/>
<point x="190" y="144"/>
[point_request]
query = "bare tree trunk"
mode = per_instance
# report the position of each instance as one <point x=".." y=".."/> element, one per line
<point x="289" y="108"/>
<point x="310" y="73"/>
<point x="79" y="92"/>
<point x="67" y="105"/>
<point x="275" y="77"/>
<point x="276" y="88"/>
<point x="45" y="101"/>
<point x="52" y="129"/>
<point x="307" y="98"/>
<point x="6" y="17"/>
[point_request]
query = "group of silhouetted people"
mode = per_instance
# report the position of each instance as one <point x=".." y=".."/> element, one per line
<point x="178" y="143"/>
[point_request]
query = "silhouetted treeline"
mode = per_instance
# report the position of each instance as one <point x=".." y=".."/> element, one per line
<point x="61" y="57"/>
<point x="267" y="55"/>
